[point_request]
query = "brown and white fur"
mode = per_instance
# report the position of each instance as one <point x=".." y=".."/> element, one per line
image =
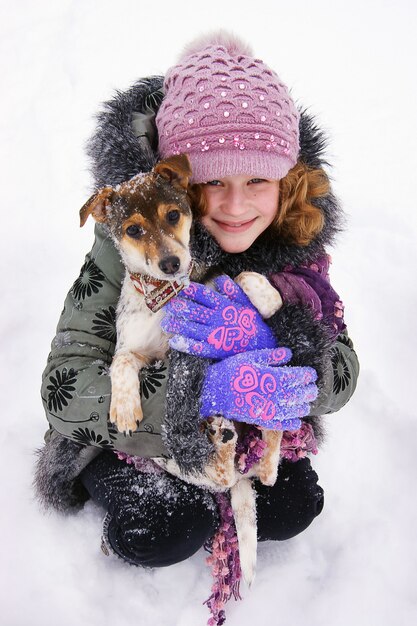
<point x="149" y="219"/>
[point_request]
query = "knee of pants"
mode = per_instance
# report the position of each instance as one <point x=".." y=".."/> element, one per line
<point x="161" y="540"/>
<point x="291" y="505"/>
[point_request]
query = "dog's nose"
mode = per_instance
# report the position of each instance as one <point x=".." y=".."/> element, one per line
<point x="170" y="264"/>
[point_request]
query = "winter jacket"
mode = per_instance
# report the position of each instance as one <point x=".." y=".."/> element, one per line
<point x="76" y="383"/>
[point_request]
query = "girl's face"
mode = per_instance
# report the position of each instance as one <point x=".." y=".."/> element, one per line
<point x="239" y="209"/>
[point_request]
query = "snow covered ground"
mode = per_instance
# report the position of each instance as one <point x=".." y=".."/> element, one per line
<point x="353" y="64"/>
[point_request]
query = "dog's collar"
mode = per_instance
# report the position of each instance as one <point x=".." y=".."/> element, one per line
<point x="162" y="292"/>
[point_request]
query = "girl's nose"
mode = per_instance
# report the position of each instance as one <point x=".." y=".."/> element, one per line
<point x="234" y="201"/>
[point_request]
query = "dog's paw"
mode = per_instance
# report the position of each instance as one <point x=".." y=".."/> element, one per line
<point x="126" y="413"/>
<point x="267" y="467"/>
<point x="260" y="292"/>
<point x="221" y="469"/>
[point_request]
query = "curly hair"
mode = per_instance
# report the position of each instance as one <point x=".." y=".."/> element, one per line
<point x="298" y="219"/>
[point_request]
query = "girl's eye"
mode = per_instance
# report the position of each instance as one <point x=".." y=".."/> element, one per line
<point x="134" y="231"/>
<point x="257" y="180"/>
<point x="173" y="217"/>
<point x="213" y="183"/>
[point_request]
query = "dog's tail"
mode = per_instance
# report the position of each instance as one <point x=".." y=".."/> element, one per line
<point x="244" y="510"/>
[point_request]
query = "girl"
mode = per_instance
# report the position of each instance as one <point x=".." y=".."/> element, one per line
<point x="263" y="203"/>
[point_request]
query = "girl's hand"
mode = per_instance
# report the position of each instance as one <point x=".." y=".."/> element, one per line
<point x="257" y="388"/>
<point x="215" y="324"/>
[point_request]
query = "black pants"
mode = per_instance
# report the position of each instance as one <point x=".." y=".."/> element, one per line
<point x="156" y="520"/>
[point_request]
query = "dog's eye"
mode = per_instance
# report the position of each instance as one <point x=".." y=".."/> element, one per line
<point x="173" y="217"/>
<point x="134" y="231"/>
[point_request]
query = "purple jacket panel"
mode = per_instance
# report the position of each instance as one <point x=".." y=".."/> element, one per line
<point x="310" y="285"/>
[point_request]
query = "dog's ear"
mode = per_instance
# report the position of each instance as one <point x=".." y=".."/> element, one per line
<point x="96" y="206"/>
<point x="175" y="169"/>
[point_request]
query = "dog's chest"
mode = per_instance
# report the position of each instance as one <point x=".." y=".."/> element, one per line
<point x="138" y="328"/>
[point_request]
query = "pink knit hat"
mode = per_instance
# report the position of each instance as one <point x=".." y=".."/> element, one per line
<point x="229" y="112"/>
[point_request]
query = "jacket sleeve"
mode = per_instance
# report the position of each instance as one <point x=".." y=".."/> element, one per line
<point x="76" y="385"/>
<point x="339" y="377"/>
<point x="309" y="287"/>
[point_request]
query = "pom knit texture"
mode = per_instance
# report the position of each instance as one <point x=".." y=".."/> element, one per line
<point x="231" y="42"/>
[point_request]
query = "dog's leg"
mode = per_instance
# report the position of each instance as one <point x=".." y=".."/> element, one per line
<point x="125" y="407"/>
<point x="200" y="480"/>
<point x="242" y="497"/>
<point x="221" y="468"/>
<point x="267" y="467"/>
<point x="219" y="474"/>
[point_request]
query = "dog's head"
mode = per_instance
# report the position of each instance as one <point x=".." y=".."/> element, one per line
<point x="149" y="218"/>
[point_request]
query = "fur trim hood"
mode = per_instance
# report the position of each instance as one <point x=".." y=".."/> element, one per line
<point x="125" y="143"/>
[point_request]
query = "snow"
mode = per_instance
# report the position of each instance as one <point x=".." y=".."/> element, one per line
<point x="353" y="64"/>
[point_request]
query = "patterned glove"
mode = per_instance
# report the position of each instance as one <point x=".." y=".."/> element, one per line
<point x="254" y="388"/>
<point x="215" y="324"/>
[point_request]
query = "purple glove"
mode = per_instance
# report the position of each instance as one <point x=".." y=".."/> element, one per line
<point x="254" y="388"/>
<point x="215" y="324"/>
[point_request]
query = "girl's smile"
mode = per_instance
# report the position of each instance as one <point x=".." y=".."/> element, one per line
<point x="232" y="227"/>
<point x="238" y="209"/>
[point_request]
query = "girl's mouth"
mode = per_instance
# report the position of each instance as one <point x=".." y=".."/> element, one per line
<point x="235" y="227"/>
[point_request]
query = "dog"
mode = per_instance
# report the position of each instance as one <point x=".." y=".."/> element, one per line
<point x="149" y="219"/>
